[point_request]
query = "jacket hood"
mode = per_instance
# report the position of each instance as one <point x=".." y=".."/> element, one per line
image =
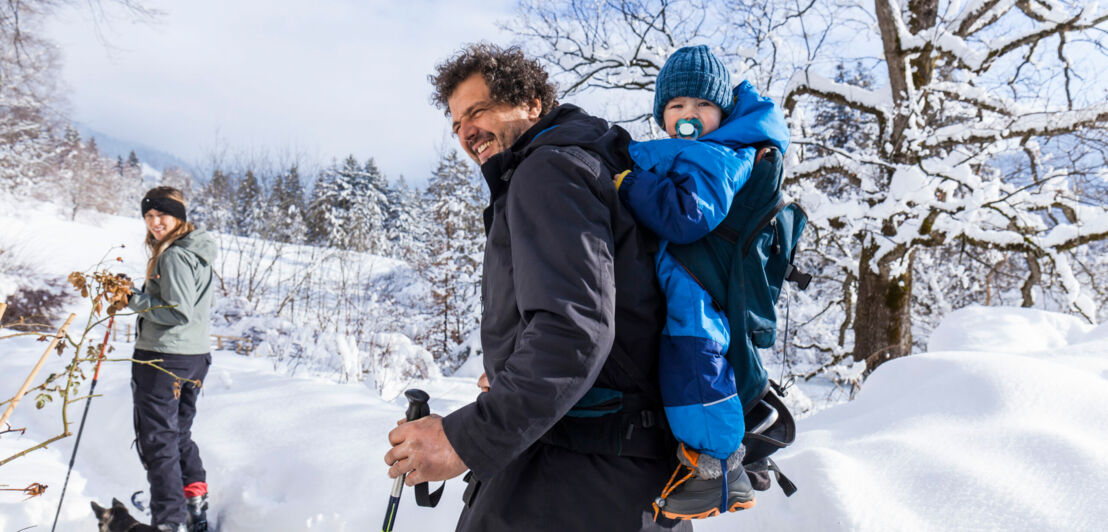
<point x="754" y="120"/>
<point x="565" y="125"/>
<point x="199" y="243"/>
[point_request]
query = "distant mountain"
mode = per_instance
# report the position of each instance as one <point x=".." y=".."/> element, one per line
<point x="113" y="147"/>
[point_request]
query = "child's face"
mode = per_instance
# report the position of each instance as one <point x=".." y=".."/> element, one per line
<point x="686" y="107"/>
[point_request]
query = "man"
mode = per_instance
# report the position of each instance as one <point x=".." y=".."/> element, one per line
<point x="569" y="435"/>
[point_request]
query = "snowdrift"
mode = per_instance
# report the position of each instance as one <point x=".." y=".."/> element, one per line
<point x="1001" y="426"/>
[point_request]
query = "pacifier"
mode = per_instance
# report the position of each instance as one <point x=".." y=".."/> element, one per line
<point x="689" y="128"/>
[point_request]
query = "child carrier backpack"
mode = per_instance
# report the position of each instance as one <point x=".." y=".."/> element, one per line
<point x="743" y="265"/>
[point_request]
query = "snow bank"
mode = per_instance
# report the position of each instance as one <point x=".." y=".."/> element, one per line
<point x="1013" y="330"/>
<point x="1005" y="433"/>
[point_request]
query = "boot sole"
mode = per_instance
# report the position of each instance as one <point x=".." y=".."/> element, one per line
<point x="739" y="505"/>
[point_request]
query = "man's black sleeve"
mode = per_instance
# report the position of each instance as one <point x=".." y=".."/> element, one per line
<point x="563" y="273"/>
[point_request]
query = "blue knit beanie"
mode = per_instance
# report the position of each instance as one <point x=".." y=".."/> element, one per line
<point x="695" y="72"/>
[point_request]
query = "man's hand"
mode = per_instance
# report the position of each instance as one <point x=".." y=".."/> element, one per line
<point x="420" y="449"/>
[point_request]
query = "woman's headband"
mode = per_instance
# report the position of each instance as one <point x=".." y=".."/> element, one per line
<point x="166" y="205"/>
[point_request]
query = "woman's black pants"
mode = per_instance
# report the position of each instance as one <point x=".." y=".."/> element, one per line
<point x="165" y="406"/>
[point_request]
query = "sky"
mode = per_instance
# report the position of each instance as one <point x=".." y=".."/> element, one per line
<point x="277" y="79"/>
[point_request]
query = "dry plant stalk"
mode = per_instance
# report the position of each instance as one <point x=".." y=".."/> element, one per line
<point x="105" y="292"/>
<point x="3" y="308"/>
<point x="34" y="372"/>
<point x="33" y="490"/>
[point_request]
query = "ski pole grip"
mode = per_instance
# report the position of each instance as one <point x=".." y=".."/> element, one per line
<point x="417" y="404"/>
<point x="418" y="408"/>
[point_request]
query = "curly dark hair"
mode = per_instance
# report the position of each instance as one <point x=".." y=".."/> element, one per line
<point x="512" y="77"/>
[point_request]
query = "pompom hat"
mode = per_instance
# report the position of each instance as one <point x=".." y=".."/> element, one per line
<point x="695" y="72"/>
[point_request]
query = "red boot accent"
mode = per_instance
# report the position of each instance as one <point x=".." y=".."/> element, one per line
<point x="196" y="489"/>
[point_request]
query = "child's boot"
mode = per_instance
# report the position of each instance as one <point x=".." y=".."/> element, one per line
<point x="699" y="488"/>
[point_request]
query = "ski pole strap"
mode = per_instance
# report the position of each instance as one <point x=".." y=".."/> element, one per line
<point x="425" y="498"/>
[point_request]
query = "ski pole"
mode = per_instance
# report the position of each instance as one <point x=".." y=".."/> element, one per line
<point x="417" y="408"/>
<point x="81" y="429"/>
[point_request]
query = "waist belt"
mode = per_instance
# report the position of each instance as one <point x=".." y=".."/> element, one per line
<point x="611" y="422"/>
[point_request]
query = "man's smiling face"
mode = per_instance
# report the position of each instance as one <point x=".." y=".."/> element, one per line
<point x="485" y="128"/>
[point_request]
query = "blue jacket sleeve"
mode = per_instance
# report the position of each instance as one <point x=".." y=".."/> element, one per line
<point x="681" y="189"/>
<point x="686" y="203"/>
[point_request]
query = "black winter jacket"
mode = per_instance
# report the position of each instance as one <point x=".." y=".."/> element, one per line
<point x="568" y="279"/>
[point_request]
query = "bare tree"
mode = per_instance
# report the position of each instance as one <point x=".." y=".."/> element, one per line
<point x="30" y="99"/>
<point x="967" y="91"/>
<point x="618" y="46"/>
<point x="980" y="137"/>
<point x="29" y="96"/>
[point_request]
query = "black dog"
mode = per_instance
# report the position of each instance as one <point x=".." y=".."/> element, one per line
<point x="118" y="519"/>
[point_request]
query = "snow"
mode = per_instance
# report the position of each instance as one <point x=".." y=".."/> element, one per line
<point x="1000" y="425"/>
<point x="281" y="453"/>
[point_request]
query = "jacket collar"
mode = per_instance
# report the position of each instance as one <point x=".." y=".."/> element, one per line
<point x="498" y="169"/>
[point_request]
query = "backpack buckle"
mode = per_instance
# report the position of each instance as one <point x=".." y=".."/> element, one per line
<point x="647" y="418"/>
<point x="798" y="277"/>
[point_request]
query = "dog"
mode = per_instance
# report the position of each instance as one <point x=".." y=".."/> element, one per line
<point x="118" y="519"/>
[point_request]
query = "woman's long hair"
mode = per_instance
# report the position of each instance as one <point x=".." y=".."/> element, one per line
<point x="183" y="228"/>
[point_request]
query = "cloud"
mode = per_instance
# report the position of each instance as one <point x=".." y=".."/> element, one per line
<point x="325" y="78"/>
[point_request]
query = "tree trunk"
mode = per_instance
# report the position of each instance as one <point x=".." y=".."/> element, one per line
<point x="883" y="320"/>
<point x="883" y="315"/>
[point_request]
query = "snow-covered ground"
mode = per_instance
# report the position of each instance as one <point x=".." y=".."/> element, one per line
<point x="1001" y="425"/>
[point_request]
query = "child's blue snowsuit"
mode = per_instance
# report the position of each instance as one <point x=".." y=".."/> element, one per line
<point x="681" y="189"/>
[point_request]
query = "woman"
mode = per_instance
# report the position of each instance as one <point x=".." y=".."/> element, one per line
<point x="174" y="312"/>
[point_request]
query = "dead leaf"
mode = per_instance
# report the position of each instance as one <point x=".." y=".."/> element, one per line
<point x="77" y="279"/>
<point x="41" y="400"/>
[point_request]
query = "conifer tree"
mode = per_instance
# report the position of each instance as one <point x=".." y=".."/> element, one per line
<point x="327" y="211"/>
<point x="214" y="206"/>
<point x="69" y="169"/>
<point x="85" y="178"/>
<point x="177" y="177"/>
<point x="368" y="208"/>
<point x="249" y="206"/>
<point x="405" y="225"/>
<point x="455" y="244"/>
<point x="349" y="206"/>
<point x="286" y="207"/>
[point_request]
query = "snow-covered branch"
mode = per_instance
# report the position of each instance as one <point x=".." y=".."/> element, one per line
<point x="1043" y="124"/>
<point x="806" y="83"/>
<point x="980" y="14"/>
